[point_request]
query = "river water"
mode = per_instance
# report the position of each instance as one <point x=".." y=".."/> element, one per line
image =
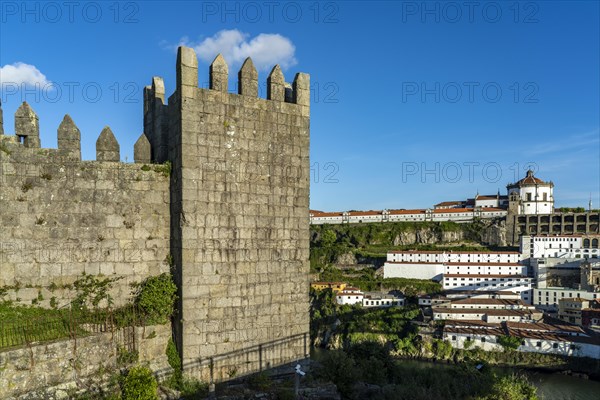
<point x="551" y="386"/>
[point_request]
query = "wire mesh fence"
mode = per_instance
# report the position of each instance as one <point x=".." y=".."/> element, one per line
<point x="66" y="324"/>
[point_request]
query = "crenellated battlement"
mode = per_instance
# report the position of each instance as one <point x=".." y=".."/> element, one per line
<point x="228" y="213"/>
<point x="297" y="92"/>
<point x="27" y="136"/>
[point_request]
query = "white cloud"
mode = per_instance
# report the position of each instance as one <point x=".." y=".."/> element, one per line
<point x="22" y="74"/>
<point x="265" y="49"/>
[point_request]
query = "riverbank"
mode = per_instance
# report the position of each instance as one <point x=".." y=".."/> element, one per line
<point x="550" y="386"/>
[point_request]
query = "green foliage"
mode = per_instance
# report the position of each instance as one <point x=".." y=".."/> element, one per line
<point x="509" y="342"/>
<point x="193" y="389"/>
<point x="164" y="169"/>
<point x="174" y="360"/>
<point x="126" y="357"/>
<point x="511" y="387"/>
<point x="156" y="298"/>
<point x="91" y="290"/>
<point x="339" y="368"/>
<point x="442" y="349"/>
<point x="140" y="384"/>
<point x="369" y="282"/>
<point x="467" y="344"/>
<point x="571" y="209"/>
<point x="328" y="238"/>
<point x="372" y="364"/>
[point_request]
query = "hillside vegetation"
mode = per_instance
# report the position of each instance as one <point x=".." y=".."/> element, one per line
<point x="369" y="243"/>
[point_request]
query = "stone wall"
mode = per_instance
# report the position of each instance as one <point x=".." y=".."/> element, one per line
<point x="59" y="369"/>
<point x="559" y="223"/>
<point x="62" y="217"/>
<point x="231" y="217"/>
<point x="240" y="220"/>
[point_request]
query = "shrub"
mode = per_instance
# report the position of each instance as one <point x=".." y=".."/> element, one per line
<point x="140" y="384"/>
<point x="156" y="298"/>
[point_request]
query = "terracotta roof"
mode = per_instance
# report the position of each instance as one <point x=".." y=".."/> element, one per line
<point x="364" y="213"/>
<point x="487" y="311"/>
<point x="448" y="203"/>
<point x="344" y="293"/>
<point x="540" y="326"/>
<point x="488" y="331"/>
<point x="484" y="197"/>
<point x="506" y="302"/>
<point x="326" y="214"/>
<point x="471" y="322"/>
<point x="552" y="336"/>
<point x="529" y="180"/>
<point x="401" y="212"/>
<point x="475" y="330"/>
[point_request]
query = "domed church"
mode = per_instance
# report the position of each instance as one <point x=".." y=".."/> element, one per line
<point x="531" y="196"/>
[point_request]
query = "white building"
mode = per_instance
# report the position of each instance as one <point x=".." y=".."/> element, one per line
<point x="535" y="337"/>
<point x="439" y="215"/>
<point x="552" y="339"/>
<point x="433" y="264"/>
<point x="491" y="201"/>
<point x="531" y="196"/>
<point x="375" y="299"/>
<point x="352" y="296"/>
<point x="349" y="295"/>
<point x="485" y="268"/>
<point x="515" y="283"/>
<point x="454" y="256"/>
<point x="548" y="298"/>
<point x="490" y="294"/>
<point x="559" y="246"/>
<point x="485" y="315"/>
<point x="413" y="270"/>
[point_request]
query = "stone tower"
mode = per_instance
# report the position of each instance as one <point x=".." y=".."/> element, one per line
<point x="239" y="215"/>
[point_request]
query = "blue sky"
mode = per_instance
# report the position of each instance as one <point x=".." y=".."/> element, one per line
<point x="413" y="102"/>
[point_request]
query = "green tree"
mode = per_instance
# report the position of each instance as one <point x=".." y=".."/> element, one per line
<point x="156" y="298"/>
<point x="512" y="387"/>
<point x="140" y="384"/>
<point x="509" y="342"/>
<point x="328" y="238"/>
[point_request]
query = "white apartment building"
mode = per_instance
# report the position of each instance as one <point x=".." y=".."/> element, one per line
<point x="375" y="299"/>
<point x="432" y="256"/>
<point x="432" y="264"/>
<point x="494" y="316"/>
<point x="547" y="298"/>
<point x="349" y="295"/>
<point x="510" y="282"/>
<point x="482" y="268"/>
<point x="559" y="246"/>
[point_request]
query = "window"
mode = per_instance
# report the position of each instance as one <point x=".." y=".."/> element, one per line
<point x="555" y="345"/>
<point x="539" y="344"/>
